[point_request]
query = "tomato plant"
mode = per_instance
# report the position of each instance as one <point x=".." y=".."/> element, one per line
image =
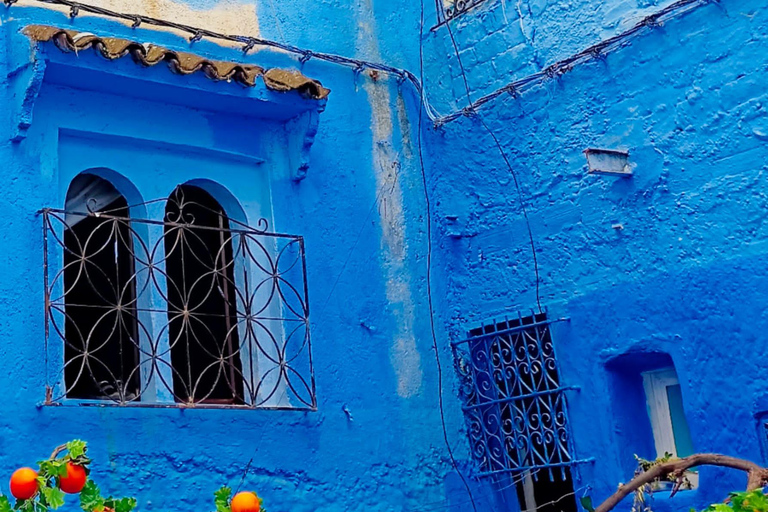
<point x="66" y="460"/>
<point x="67" y="471"/>
<point x="747" y="501"/>
<point x="224" y="501"/>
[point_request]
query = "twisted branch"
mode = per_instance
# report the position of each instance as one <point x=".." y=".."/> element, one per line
<point x="757" y="476"/>
<point x="58" y="450"/>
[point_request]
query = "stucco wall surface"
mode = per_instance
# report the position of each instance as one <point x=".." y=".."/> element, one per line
<point x="376" y="441"/>
<point x="684" y="277"/>
<point x="670" y="261"/>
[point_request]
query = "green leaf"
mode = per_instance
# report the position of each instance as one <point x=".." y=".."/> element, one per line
<point x="586" y="502"/>
<point x="121" y="505"/>
<point x="25" y="505"/>
<point x="90" y="497"/>
<point x="52" y="469"/>
<point x="221" y="499"/>
<point x="54" y="497"/>
<point x="77" y="448"/>
<point x="5" y="504"/>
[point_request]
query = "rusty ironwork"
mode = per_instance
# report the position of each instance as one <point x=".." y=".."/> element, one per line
<point x="176" y="312"/>
<point x="450" y="9"/>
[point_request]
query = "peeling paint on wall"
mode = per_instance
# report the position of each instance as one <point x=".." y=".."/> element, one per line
<point x="404" y="355"/>
<point x="228" y="16"/>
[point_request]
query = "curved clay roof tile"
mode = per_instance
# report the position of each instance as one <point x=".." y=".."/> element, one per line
<point x="184" y="63"/>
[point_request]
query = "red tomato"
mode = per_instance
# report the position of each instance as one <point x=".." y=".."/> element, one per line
<point x="24" y="483"/>
<point x="75" y="479"/>
<point x="246" y="502"/>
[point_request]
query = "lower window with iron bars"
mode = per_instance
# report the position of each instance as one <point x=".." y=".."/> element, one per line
<point x="516" y="412"/>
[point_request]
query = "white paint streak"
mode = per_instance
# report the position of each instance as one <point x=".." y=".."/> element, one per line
<point x="228" y="17"/>
<point x="404" y="355"/>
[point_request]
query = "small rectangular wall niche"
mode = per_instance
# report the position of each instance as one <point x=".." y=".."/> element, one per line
<point x="609" y="162"/>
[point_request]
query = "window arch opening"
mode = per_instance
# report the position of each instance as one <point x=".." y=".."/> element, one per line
<point x="202" y="299"/>
<point x="101" y="350"/>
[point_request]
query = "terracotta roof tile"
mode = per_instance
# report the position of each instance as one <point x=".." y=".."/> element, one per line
<point x="179" y="62"/>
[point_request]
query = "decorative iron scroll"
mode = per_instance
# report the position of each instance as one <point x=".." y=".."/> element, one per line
<point x="143" y="312"/>
<point x="514" y="404"/>
<point x="450" y="9"/>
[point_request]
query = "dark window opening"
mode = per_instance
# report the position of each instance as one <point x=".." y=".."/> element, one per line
<point x="516" y="410"/>
<point x="547" y="493"/>
<point x="202" y="321"/>
<point x="101" y="349"/>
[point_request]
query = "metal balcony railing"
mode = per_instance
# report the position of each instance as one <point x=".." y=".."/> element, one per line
<point x="178" y="312"/>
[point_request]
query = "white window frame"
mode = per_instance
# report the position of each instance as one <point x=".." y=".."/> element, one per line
<point x="655" y="384"/>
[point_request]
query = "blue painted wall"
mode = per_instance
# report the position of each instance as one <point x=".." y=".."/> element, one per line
<point x="359" y="211"/>
<point x="685" y="277"/>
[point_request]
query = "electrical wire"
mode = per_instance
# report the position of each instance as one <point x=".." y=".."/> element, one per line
<point x="593" y="52"/>
<point x="258" y="446"/>
<point x="440" y="505"/>
<point x="598" y="50"/>
<point x="376" y="201"/>
<point x="248" y="42"/>
<point x="558" y="500"/>
<point x="515" y="482"/>
<point x="430" y="303"/>
<point x="509" y="167"/>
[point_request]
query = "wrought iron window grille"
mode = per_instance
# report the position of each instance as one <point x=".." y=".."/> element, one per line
<point x="126" y="326"/>
<point x="513" y="400"/>
<point x="448" y="10"/>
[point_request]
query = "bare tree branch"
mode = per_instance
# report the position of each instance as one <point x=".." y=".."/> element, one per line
<point x="58" y="450"/>
<point x="757" y="476"/>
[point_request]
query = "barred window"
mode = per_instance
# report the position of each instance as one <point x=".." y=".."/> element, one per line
<point x="449" y="9"/>
<point x="515" y="408"/>
<point x="100" y="328"/>
<point x="191" y="307"/>
<point x="202" y="323"/>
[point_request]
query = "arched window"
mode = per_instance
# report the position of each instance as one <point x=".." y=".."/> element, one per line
<point x="202" y="321"/>
<point x="101" y="327"/>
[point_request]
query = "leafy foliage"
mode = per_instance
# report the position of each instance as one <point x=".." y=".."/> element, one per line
<point x="644" y="465"/>
<point x="586" y="502"/>
<point x="223" y="500"/>
<point x="92" y="501"/>
<point x="51" y="497"/>
<point x="643" y="495"/>
<point x="90" y="497"/>
<point x="747" y="501"/>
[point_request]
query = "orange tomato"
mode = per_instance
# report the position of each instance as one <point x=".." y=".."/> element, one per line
<point x="24" y="483"/>
<point x="246" y="502"/>
<point x="74" y="481"/>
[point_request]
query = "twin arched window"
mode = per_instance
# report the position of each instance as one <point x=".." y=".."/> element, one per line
<point x="114" y="280"/>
